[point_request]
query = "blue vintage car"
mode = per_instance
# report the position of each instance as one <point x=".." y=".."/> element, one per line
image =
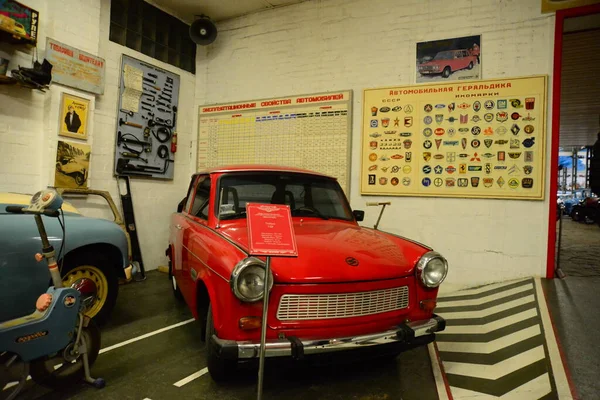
<point x="95" y="255"/>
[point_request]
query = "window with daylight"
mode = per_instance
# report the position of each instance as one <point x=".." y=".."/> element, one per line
<point x="151" y="31"/>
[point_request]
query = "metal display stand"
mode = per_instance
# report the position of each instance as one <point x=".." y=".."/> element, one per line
<point x="146" y="136"/>
<point x="263" y="331"/>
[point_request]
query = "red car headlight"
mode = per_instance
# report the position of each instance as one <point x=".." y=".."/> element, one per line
<point x="248" y="280"/>
<point x="432" y="269"/>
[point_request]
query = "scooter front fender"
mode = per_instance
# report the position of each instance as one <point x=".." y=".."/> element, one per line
<point x="43" y="333"/>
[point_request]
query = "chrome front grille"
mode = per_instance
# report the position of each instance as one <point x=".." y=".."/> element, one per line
<point x="294" y="307"/>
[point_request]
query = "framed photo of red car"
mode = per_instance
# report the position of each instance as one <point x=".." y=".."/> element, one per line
<point x="270" y="230"/>
<point x="74" y="115"/>
<point x="449" y="59"/>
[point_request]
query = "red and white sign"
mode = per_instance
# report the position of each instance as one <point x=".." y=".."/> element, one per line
<point x="270" y="230"/>
<point x="315" y="99"/>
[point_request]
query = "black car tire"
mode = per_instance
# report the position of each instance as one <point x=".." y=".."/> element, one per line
<point x="79" y="178"/>
<point x="576" y="214"/>
<point x="446" y="72"/>
<point x="470" y="65"/>
<point x="221" y="370"/>
<point x="174" y="287"/>
<point x="103" y="264"/>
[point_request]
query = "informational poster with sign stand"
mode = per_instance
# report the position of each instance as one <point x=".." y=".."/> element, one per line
<point x="270" y="234"/>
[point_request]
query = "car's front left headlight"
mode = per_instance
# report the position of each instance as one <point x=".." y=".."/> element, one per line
<point x="248" y="280"/>
<point x="432" y="269"/>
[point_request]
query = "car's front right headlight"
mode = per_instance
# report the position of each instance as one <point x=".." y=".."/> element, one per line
<point x="432" y="269"/>
<point x="248" y="280"/>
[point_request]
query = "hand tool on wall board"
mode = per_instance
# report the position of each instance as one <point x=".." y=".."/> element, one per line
<point x="134" y="155"/>
<point x="121" y="138"/>
<point x="128" y="112"/>
<point x="149" y="80"/>
<point x="123" y="122"/>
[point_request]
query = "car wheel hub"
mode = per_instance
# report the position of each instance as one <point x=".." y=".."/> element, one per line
<point x="91" y="282"/>
<point x="174" y="283"/>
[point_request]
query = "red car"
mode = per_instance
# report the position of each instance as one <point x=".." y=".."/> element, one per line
<point x="447" y="62"/>
<point x="350" y="287"/>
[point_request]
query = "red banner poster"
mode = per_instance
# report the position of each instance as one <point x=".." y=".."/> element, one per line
<point x="270" y="230"/>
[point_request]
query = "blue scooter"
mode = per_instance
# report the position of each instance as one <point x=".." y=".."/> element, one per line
<point x="57" y="343"/>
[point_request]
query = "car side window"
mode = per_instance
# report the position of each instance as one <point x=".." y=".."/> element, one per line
<point x="201" y="199"/>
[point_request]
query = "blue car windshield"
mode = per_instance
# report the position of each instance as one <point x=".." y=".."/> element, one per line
<point x="307" y="195"/>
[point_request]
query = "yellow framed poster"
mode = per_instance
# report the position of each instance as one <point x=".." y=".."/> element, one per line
<point x="74" y="116"/>
<point x="475" y="139"/>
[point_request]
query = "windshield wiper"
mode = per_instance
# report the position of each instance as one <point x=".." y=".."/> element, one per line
<point x="310" y="210"/>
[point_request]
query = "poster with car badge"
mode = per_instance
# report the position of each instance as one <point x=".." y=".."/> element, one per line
<point x="74" y="112"/>
<point x="72" y="165"/>
<point x="449" y="59"/>
<point x="475" y="139"/>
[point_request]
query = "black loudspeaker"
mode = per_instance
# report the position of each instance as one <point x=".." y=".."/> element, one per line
<point x="203" y="31"/>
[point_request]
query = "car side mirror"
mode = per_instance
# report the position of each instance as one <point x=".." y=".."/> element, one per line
<point x="359" y="215"/>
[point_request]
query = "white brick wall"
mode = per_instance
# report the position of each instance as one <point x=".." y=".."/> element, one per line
<point x="29" y="125"/>
<point x="319" y="45"/>
<point x="327" y="45"/>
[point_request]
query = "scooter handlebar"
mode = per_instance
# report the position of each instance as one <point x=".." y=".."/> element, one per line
<point x="15" y="209"/>
<point x="23" y="210"/>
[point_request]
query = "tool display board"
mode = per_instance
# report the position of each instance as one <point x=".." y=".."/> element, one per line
<point x="146" y="140"/>
<point x="480" y="139"/>
<point x="309" y="131"/>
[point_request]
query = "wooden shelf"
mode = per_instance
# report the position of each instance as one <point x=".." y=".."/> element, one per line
<point x="7" y="80"/>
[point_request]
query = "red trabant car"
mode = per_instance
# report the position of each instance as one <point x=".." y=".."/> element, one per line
<point x="448" y="61"/>
<point x="350" y="287"/>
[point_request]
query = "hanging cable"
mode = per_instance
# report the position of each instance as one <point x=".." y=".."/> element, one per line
<point x="164" y="132"/>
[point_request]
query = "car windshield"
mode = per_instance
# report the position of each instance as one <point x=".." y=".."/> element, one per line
<point x="444" y="55"/>
<point x="307" y="195"/>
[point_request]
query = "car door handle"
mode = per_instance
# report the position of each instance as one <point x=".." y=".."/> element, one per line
<point x="178" y="226"/>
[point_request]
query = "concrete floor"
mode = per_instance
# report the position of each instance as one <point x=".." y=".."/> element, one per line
<point x="574" y="301"/>
<point x="580" y="248"/>
<point x="148" y="368"/>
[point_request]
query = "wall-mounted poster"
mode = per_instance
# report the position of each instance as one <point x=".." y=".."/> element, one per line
<point x="72" y="165"/>
<point x="449" y="59"/>
<point x="75" y="68"/>
<point x="555" y="5"/>
<point x="73" y="116"/>
<point x="479" y="139"/>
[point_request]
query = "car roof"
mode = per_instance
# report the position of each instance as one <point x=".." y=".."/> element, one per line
<point x="260" y="168"/>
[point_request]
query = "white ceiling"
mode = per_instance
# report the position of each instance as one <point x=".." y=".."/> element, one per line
<point x="219" y="10"/>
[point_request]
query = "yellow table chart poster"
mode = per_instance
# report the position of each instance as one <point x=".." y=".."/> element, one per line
<point x="474" y="139"/>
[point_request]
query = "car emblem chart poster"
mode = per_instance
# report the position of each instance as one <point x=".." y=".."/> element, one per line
<point x="307" y="131"/>
<point x="461" y="139"/>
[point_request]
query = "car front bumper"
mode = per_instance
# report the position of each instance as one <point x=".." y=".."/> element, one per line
<point x="404" y="334"/>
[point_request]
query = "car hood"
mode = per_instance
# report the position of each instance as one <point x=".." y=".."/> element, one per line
<point x="432" y="63"/>
<point x="328" y="251"/>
